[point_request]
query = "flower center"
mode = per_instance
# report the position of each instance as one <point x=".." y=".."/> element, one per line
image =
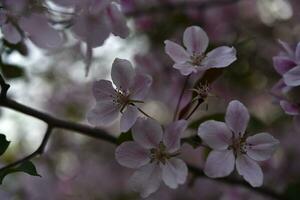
<point x="196" y="59"/>
<point x="160" y="154"/>
<point x="121" y="99"/>
<point x="239" y="146"/>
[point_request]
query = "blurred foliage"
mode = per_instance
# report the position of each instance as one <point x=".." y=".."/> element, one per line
<point x="127" y="136"/>
<point x="26" y="166"/>
<point x="11" y="71"/>
<point x="4" y="143"/>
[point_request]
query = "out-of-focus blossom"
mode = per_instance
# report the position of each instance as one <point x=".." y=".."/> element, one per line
<point x="94" y="23"/>
<point x="287" y="64"/>
<point x="194" y="59"/>
<point x="18" y="19"/>
<point x="232" y="148"/>
<point x="161" y="90"/>
<point x="272" y="10"/>
<point x="153" y="153"/>
<point x="130" y="89"/>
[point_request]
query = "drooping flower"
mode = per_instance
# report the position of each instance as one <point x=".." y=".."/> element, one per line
<point x="232" y="148"/>
<point x="193" y="59"/>
<point x="153" y="153"/>
<point x="96" y="21"/>
<point x="130" y="89"/>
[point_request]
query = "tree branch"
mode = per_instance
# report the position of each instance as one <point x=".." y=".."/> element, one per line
<point x="98" y="134"/>
<point x="167" y="7"/>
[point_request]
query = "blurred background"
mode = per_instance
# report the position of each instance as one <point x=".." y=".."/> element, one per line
<point x="77" y="167"/>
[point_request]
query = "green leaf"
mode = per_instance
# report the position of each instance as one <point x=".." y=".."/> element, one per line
<point x="292" y="192"/>
<point x="11" y="71"/>
<point x="3" y="144"/>
<point x="124" y="137"/>
<point x="26" y="167"/>
<point x="195" y="141"/>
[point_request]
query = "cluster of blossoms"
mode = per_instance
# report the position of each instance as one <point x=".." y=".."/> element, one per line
<point x="155" y="149"/>
<point x="19" y="19"/>
<point x="90" y="21"/>
<point x="287" y="64"/>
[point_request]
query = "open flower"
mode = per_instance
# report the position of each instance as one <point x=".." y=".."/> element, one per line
<point x="130" y="89"/>
<point x="232" y="148"/>
<point x="153" y="153"/>
<point x="194" y="59"/>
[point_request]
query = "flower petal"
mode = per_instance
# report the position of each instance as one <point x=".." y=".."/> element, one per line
<point x="103" y="90"/>
<point x="132" y="155"/>
<point x="289" y="108"/>
<point x="174" y="172"/>
<point x="279" y="89"/>
<point x="147" y="132"/>
<point x="117" y="21"/>
<point x="262" y="146"/>
<point x="40" y="32"/>
<point x="219" y="163"/>
<point x="250" y="170"/>
<point x="122" y="74"/>
<point x="146" y="180"/>
<point x="292" y="77"/>
<point x="3" y="17"/>
<point x="176" y="52"/>
<point x="297" y="54"/>
<point x="185" y="68"/>
<point x="220" y="57"/>
<point x="141" y="86"/>
<point x="282" y="64"/>
<point x="237" y="117"/>
<point x="94" y="32"/>
<point x="287" y="48"/>
<point x="104" y="113"/>
<point x="195" y="40"/>
<point x="128" y="118"/>
<point x="11" y="33"/>
<point x="172" y="135"/>
<point x="216" y="134"/>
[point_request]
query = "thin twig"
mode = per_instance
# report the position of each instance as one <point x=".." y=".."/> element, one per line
<point x="57" y="123"/>
<point x="199" y="102"/>
<point x="180" y="98"/>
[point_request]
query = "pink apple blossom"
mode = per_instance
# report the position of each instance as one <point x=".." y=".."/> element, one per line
<point x="153" y="153"/>
<point x="232" y="148"/>
<point x="131" y="88"/>
<point x="193" y="59"/>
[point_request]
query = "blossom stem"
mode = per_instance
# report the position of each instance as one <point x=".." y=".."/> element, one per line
<point x="180" y="98"/>
<point x="144" y="113"/>
<point x="199" y="102"/>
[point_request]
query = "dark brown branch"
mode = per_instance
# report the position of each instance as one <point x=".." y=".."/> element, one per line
<point x="167" y="7"/>
<point x="57" y="123"/>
